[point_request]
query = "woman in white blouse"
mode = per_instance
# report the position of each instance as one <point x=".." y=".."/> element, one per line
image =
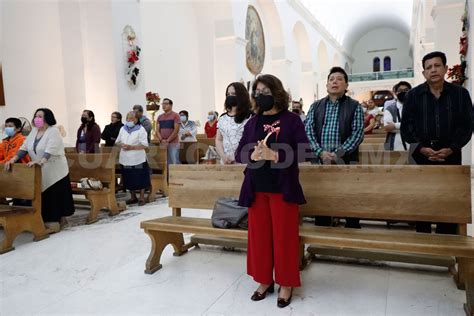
<point x="133" y="141"/>
<point x="46" y="149"/>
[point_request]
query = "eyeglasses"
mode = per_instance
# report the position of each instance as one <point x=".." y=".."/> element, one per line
<point x="166" y="103"/>
<point x="262" y="92"/>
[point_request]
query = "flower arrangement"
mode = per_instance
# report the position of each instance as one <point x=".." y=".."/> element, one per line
<point x="152" y="100"/>
<point x="133" y="56"/>
<point x="457" y="73"/>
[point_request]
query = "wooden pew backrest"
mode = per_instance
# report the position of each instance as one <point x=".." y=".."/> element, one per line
<point x="99" y="166"/>
<point x="21" y="182"/>
<point x="409" y="193"/>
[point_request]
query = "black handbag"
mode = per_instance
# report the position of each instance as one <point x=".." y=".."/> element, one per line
<point x="228" y="214"/>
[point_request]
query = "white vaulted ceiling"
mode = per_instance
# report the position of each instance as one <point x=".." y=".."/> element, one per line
<point x="349" y="20"/>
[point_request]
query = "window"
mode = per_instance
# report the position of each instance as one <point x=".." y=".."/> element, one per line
<point x="376" y="64"/>
<point x="387" y="63"/>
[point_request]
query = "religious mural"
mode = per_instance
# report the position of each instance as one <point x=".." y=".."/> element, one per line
<point x="255" y="52"/>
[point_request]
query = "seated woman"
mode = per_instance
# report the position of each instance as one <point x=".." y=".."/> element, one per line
<point x="112" y="130"/>
<point x="369" y="123"/>
<point x="88" y="134"/>
<point x="10" y="145"/>
<point x="45" y="147"/>
<point x="188" y="129"/>
<point x="211" y="125"/>
<point x="133" y="140"/>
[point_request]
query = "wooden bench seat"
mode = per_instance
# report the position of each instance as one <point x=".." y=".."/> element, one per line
<point x="21" y="183"/>
<point x="373" y="192"/>
<point x="157" y="161"/>
<point x="409" y="242"/>
<point x="101" y="167"/>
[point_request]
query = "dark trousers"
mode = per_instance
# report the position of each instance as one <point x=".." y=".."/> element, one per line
<point x="441" y="228"/>
<point x="327" y="221"/>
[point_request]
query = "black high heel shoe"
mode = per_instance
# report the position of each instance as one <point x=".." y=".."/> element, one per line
<point x="257" y="296"/>
<point x="281" y="302"/>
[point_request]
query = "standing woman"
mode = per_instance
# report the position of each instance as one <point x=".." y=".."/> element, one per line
<point x="88" y="134"/>
<point x="45" y="147"/>
<point x="273" y="143"/>
<point x="112" y="130"/>
<point x="133" y="139"/>
<point x="211" y="125"/>
<point x="230" y="126"/>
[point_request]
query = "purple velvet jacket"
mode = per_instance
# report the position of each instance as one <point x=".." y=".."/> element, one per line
<point x="293" y="147"/>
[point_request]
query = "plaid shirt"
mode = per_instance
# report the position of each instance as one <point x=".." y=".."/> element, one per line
<point x="330" y="138"/>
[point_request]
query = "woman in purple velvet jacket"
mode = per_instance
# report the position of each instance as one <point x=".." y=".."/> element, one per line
<point x="273" y="143"/>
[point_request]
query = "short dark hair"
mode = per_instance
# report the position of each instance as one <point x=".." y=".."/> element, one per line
<point x="434" y="55"/>
<point x="276" y="87"/>
<point x="138" y="107"/>
<point x="48" y="116"/>
<point x="401" y="83"/>
<point x="338" y="70"/>
<point x="118" y="115"/>
<point x="184" y="112"/>
<point x="14" y="120"/>
<point x="169" y="100"/>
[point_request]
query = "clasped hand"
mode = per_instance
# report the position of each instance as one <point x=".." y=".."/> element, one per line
<point x="262" y="152"/>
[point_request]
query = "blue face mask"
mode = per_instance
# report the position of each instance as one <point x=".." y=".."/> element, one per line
<point x="210" y="117"/>
<point x="183" y="118"/>
<point x="10" y="131"/>
<point x="130" y="124"/>
<point x="142" y="119"/>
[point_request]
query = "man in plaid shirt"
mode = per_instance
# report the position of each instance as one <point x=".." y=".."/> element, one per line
<point x="335" y="128"/>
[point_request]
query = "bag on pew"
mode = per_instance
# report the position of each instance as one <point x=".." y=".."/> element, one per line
<point x="211" y="154"/>
<point x="91" y="183"/>
<point x="228" y="214"/>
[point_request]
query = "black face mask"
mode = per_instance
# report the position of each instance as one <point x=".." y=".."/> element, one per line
<point x="84" y="120"/>
<point x="401" y="96"/>
<point x="230" y="101"/>
<point x="265" y="102"/>
<point x="296" y="111"/>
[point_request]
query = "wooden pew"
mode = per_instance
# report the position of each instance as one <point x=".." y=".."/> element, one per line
<point x="157" y="158"/>
<point x="193" y="152"/>
<point x="383" y="157"/>
<point x="371" y="147"/>
<point x="21" y="183"/>
<point x="101" y="167"/>
<point x="373" y="140"/>
<point x="427" y="193"/>
<point x="157" y="161"/>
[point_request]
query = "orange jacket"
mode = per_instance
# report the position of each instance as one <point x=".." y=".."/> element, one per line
<point x="10" y="146"/>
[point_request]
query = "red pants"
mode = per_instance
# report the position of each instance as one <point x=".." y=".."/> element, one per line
<point x="273" y="240"/>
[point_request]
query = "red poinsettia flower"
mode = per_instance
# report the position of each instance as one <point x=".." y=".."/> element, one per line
<point x="132" y="57"/>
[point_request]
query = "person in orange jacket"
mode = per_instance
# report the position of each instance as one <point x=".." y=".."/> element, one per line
<point x="12" y="143"/>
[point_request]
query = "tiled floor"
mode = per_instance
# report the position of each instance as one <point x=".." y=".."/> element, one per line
<point x="98" y="269"/>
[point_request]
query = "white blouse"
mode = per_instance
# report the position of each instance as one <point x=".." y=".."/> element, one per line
<point x="132" y="157"/>
<point x="231" y="133"/>
<point x="51" y="142"/>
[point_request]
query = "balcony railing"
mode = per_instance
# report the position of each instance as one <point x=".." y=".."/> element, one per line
<point x="396" y="74"/>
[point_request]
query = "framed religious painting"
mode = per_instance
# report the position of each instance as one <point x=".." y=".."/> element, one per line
<point x="255" y="50"/>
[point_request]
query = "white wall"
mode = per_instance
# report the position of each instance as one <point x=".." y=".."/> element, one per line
<point x="127" y="12"/>
<point x="32" y="61"/>
<point x="170" y="53"/>
<point x="380" y="39"/>
<point x="69" y="55"/>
